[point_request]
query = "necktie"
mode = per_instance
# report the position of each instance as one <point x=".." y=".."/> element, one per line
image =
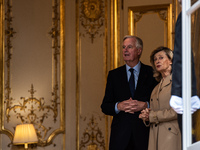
<point x="132" y="82"/>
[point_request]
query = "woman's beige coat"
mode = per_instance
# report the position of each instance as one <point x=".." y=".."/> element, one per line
<point x="164" y="130"/>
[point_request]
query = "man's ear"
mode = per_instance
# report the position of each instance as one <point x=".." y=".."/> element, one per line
<point x="139" y="51"/>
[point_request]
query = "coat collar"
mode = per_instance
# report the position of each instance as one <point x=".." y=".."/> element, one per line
<point x="165" y="82"/>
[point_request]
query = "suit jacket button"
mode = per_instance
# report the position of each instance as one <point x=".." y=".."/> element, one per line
<point x="155" y="125"/>
<point x="169" y="129"/>
<point x="151" y="99"/>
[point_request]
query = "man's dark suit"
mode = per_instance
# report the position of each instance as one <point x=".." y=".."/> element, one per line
<point x="177" y="63"/>
<point x="177" y="66"/>
<point x="126" y="126"/>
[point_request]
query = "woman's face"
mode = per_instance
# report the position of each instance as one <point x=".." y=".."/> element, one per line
<point x="162" y="62"/>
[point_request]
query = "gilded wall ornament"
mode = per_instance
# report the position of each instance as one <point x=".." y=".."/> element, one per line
<point x="92" y="138"/>
<point x="92" y="16"/>
<point x="138" y="16"/>
<point x="34" y="111"/>
<point x="161" y="13"/>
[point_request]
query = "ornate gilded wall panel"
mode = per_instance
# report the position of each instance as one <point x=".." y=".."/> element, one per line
<point x="91" y="67"/>
<point x="32" y="74"/>
<point x="151" y="21"/>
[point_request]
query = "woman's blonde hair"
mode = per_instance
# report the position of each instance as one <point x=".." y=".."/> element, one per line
<point x="169" y="54"/>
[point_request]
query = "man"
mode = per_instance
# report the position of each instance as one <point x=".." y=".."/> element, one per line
<point x="128" y="132"/>
<point x="176" y="101"/>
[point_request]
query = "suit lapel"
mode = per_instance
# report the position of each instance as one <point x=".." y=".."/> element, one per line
<point x="142" y="78"/>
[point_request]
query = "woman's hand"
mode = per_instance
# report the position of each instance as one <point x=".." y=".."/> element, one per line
<point x="145" y="114"/>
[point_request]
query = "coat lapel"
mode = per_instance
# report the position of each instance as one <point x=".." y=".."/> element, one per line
<point x="166" y="82"/>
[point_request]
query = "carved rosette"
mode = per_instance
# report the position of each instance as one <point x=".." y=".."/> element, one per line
<point x="92" y="17"/>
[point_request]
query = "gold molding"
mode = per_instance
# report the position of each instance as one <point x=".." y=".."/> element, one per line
<point x="115" y="34"/>
<point x="164" y="12"/>
<point x="77" y="74"/>
<point x="58" y="37"/>
<point x="115" y="50"/>
<point x="3" y="130"/>
<point x="106" y="63"/>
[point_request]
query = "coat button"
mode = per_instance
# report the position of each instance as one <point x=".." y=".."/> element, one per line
<point x="169" y="129"/>
<point x="151" y="99"/>
<point x="155" y="125"/>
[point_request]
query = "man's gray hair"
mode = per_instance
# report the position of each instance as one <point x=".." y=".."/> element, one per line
<point x="139" y="42"/>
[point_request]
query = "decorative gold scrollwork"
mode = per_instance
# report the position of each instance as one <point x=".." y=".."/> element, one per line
<point x="35" y="112"/>
<point x="92" y="138"/>
<point x="92" y="17"/>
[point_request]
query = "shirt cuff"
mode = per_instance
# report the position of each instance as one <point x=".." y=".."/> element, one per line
<point x="116" y="110"/>
<point x="148" y="105"/>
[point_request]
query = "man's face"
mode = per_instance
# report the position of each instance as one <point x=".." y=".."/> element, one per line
<point x="130" y="52"/>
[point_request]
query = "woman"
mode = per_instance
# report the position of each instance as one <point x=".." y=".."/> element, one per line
<point x="162" y="119"/>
